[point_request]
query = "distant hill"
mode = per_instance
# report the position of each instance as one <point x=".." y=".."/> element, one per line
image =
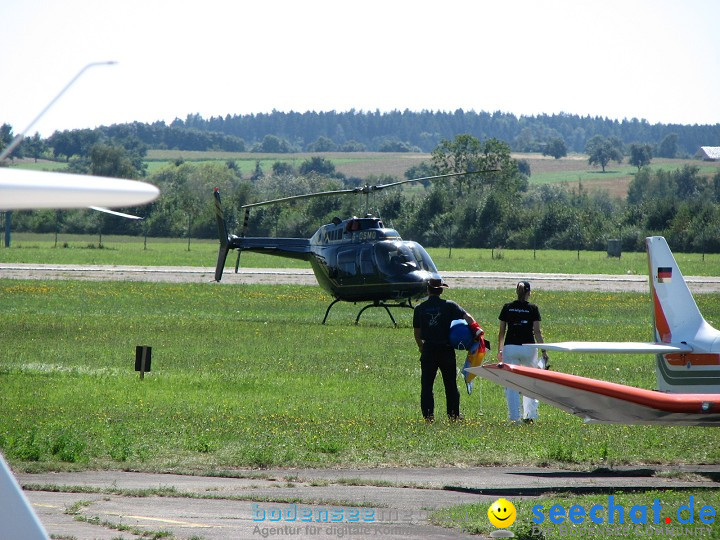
<point x="422" y="131"/>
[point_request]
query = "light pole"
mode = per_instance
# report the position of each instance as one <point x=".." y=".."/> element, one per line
<point x="19" y="137"/>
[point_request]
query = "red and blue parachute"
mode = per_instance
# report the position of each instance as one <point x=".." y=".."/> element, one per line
<point x="461" y="339"/>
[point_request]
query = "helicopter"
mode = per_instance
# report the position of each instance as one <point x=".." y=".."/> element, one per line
<point x="357" y="259"/>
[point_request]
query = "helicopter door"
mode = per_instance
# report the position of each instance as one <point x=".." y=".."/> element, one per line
<point x="367" y="262"/>
<point x="347" y="267"/>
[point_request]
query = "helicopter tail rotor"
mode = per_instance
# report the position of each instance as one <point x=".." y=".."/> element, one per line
<point x="222" y="257"/>
<point x="223" y="235"/>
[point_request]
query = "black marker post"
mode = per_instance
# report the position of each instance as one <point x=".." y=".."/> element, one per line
<point x="143" y="355"/>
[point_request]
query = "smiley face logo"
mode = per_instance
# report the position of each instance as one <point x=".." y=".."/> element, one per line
<point x="502" y="513"/>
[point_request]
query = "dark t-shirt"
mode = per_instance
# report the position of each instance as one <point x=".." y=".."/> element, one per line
<point x="519" y="317"/>
<point x="434" y="316"/>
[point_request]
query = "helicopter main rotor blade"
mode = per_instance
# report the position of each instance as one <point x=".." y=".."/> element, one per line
<point x="305" y="196"/>
<point x="366" y="189"/>
<point x="434" y="177"/>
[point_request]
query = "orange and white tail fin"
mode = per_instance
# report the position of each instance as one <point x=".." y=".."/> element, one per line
<point x="686" y="346"/>
<point x="676" y="316"/>
<point x="677" y="319"/>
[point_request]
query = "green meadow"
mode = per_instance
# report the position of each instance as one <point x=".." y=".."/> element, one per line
<point x="246" y="376"/>
<point x="350" y="163"/>
<point x="124" y="250"/>
<point x="544" y="169"/>
<point x="572" y="171"/>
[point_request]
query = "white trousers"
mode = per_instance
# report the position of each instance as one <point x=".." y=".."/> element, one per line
<point x="520" y="356"/>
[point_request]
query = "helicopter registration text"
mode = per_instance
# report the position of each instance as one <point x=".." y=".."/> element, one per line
<point x="364" y="236"/>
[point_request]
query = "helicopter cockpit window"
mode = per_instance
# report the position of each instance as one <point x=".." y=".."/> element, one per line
<point x="421" y="257"/>
<point x="361" y="224"/>
<point x="395" y="258"/>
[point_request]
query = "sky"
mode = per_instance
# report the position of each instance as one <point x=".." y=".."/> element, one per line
<point x="657" y="60"/>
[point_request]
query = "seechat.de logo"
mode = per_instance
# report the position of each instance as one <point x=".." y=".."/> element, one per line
<point x="617" y="513"/>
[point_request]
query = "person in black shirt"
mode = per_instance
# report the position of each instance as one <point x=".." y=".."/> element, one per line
<point x="520" y="323"/>
<point x="431" y="325"/>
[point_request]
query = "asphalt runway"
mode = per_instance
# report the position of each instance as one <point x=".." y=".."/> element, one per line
<point x="481" y="280"/>
<point x="315" y="504"/>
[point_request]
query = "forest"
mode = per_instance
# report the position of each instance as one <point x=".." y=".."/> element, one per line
<point x="423" y="131"/>
<point x="395" y="131"/>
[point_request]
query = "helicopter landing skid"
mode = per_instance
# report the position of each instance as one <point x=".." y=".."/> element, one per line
<point x="375" y="304"/>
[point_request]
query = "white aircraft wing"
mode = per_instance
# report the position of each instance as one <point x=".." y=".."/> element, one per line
<point x="25" y="190"/>
<point x="615" y="347"/>
<point x="598" y="401"/>
<point x="17" y="518"/>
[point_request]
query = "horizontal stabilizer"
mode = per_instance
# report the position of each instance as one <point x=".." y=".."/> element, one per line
<point x="615" y="347"/>
<point x="602" y="401"/>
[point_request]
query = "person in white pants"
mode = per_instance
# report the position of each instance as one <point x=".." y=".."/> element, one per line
<point x="520" y="323"/>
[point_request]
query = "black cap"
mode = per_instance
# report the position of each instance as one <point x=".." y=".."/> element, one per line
<point x="436" y="285"/>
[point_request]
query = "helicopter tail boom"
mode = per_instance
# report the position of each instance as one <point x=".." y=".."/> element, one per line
<point x="293" y="248"/>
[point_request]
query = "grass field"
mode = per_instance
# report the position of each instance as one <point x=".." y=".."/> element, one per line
<point x="352" y="164"/>
<point x="545" y="170"/>
<point x="246" y="376"/>
<point x="123" y="250"/>
<point x="574" y="169"/>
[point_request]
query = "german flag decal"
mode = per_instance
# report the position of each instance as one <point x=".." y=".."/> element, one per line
<point x="664" y="274"/>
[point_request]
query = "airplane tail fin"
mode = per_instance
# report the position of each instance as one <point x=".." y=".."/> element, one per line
<point x="675" y="314"/>
<point x="678" y="320"/>
<point x="223" y="235"/>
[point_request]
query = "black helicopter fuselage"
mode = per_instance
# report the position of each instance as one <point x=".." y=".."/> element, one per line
<point x="359" y="260"/>
<point x="355" y="260"/>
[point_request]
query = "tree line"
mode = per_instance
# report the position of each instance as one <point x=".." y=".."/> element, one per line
<point x="423" y="131"/>
<point x="492" y="209"/>
<point x="395" y="131"/>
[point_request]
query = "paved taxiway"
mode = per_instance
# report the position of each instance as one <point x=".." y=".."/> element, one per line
<point x="391" y="503"/>
<point x="486" y="280"/>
